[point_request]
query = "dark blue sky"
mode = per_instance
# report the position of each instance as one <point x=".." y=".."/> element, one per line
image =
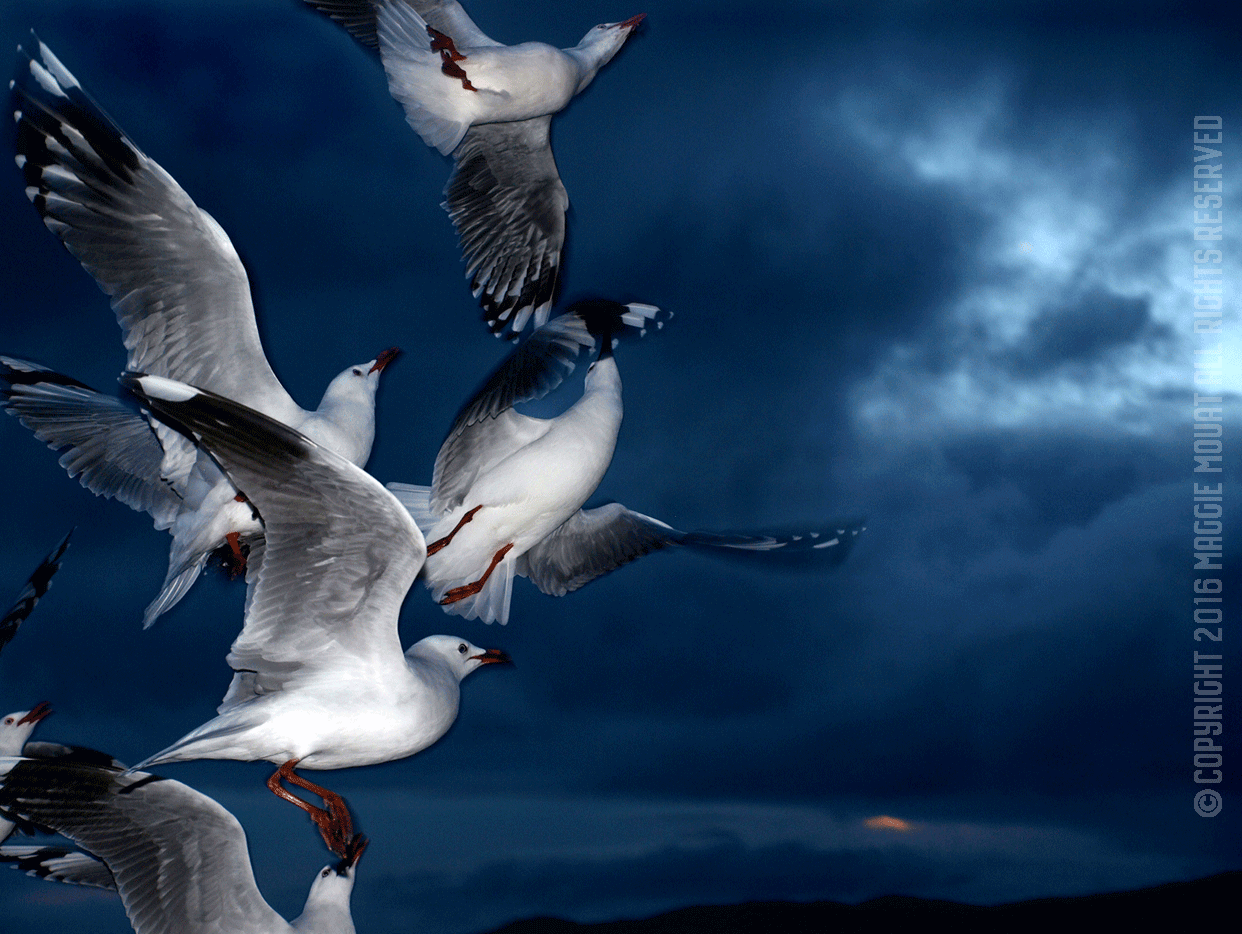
<point x="930" y="263"/>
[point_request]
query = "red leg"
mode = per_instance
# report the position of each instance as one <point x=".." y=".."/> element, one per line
<point x="238" y="564"/>
<point x="334" y="822"/>
<point x="440" y="543"/>
<point x="453" y="70"/>
<point x="469" y="590"/>
<point x="444" y="45"/>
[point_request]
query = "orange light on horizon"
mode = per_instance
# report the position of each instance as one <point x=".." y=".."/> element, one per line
<point x="884" y="822"/>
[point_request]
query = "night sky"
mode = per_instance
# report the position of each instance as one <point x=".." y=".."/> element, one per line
<point x="930" y="264"/>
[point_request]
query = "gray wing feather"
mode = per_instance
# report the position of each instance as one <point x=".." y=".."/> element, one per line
<point x="590" y="544"/>
<point x="487" y="429"/>
<point x="338" y="556"/>
<point x="595" y="541"/>
<point x="357" y="16"/>
<point x="178" y="287"/>
<point x="447" y="16"/>
<point x="179" y="859"/>
<point x="507" y="203"/>
<point x="107" y="444"/>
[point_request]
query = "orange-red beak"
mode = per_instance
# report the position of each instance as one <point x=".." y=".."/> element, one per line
<point x="632" y="22"/>
<point x="493" y="657"/>
<point x="37" y="713"/>
<point x="386" y="357"/>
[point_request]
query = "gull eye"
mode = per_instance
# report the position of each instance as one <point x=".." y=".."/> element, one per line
<point x="357" y="372"/>
<point x="463" y="648"/>
<point x="324" y="874"/>
<point x="8" y="721"/>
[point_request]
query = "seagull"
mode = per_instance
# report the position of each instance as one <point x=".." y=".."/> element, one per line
<point x="15" y="730"/>
<point x="320" y="679"/>
<point x="177" y="858"/>
<point x="491" y="107"/>
<point x="183" y="301"/>
<point x="17" y="727"/>
<point x="36" y="586"/>
<point x="508" y="489"/>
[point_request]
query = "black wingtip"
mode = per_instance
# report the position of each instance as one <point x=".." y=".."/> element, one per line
<point x="36" y="588"/>
<point x="826" y="548"/>
<point x="46" y="98"/>
<point x="602" y="316"/>
<point x="36" y="862"/>
<point x="15" y="372"/>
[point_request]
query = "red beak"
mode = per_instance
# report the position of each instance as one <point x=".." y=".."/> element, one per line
<point x="386" y="357"/>
<point x="632" y="22"/>
<point x="493" y="657"/>
<point x="36" y="713"/>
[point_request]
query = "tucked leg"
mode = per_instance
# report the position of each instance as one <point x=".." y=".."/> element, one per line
<point x="440" y="543"/>
<point x="469" y="590"/>
<point x="235" y="560"/>
<point x="444" y="45"/>
<point x="453" y="70"/>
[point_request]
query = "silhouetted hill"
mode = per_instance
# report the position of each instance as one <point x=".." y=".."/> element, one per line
<point x="1159" y="905"/>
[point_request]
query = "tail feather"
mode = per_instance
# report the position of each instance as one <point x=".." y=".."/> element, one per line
<point x="177" y="584"/>
<point x="491" y="604"/>
<point x="417" y="502"/>
<point x="206" y="742"/>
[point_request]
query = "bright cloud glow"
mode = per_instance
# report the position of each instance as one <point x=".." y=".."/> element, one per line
<point x="1062" y="231"/>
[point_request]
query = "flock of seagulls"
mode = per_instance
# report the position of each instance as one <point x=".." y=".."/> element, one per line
<point x="206" y="440"/>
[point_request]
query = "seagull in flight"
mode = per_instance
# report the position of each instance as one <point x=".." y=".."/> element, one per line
<point x="508" y="489"/>
<point x="320" y="680"/>
<point x="182" y="298"/>
<point x="491" y="106"/>
<point x="15" y="731"/>
<point x="176" y="857"/>
<point x="17" y="727"/>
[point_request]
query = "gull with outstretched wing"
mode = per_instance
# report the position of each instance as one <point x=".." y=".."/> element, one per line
<point x="508" y="490"/>
<point x="320" y="680"/>
<point x="176" y="857"/>
<point x="182" y="298"/>
<point x="491" y="106"/>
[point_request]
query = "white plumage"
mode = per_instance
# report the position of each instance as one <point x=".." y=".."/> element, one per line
<point x="507" y="494"/>
<point x="321" y="681"/>
<point x="491" y="106"/>
<point x="182" y="298"/>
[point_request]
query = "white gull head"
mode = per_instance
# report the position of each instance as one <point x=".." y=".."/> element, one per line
<point x="16" y="728"/>
<point x="457" y="655"/>
<point x="600" y="44"/>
